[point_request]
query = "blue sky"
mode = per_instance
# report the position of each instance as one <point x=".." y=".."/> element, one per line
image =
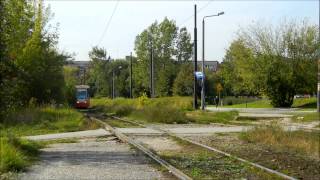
<point x="81" y="23"/>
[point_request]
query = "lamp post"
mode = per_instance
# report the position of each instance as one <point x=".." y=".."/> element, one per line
<point x="203" y="88"/>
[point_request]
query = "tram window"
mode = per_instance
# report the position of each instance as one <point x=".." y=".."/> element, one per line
<point x="82" y="95"/>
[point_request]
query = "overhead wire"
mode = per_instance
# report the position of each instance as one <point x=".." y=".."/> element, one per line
<point x="202" y="8"/>
<point x="109" y="22"/>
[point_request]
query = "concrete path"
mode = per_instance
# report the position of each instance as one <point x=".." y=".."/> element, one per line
<point x="261" y="110"/>
<point x="78" y="134"/>
<point x="263" y="115"/>
<point x="210" y="130"/>
<point x="139" y="131"/>
<point x="183" y="130"/>
<point x="91" y="159"/>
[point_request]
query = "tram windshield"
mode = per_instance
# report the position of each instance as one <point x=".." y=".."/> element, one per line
<point x="81" y="95"/>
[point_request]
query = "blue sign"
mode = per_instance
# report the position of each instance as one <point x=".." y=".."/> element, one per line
<point x="199" y="75"/>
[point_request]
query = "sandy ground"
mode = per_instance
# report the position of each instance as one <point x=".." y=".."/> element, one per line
<point x="91" y="159"/>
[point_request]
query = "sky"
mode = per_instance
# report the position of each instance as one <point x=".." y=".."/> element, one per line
<point x="82" y="24"/>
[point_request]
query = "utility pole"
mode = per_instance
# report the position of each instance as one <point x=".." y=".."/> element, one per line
<point x="130" y="74"/>
<point x="203" y="90"/>
<point x="318" y="87"/>
<point x="112" y="83"/>
<point x="151" y="67"/>
<point x="195" y="103"/>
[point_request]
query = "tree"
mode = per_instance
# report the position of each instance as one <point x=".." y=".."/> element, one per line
<point x="278" y="62"/>
<point x="236" y="69"/>
<point x="184" y="46"/>
<point x="99" y="76"/>
<point x="183" y="84"/>
<point x="167" y="44"/>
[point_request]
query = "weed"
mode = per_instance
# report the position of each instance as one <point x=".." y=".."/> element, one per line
<point x="275" y="136"/>
<point x="212" y="117"/>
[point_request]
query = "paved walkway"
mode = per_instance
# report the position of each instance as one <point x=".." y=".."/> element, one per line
<point x="262" y="110"/>
<point x="91" y="159"/>
<point x="183" y="130"/>
<point x="261" y="115"/>
<point x="78" y="134"/>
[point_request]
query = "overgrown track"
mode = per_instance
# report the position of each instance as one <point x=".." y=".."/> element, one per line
<point x="211" y="149"/>
<point x="176" y="172"/>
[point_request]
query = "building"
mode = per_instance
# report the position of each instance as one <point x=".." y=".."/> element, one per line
<point x="79" y="64"/>
<point x="210" y="65"/>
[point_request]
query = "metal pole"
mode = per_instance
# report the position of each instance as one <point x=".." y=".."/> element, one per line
<point x="130" y="74"/>
<point x="112" y="83"/>
<point x="150" y="49"/>
<point x="195" y="103"/>
<point x="318" y="87"/>
<point x="203" y="82"/>
<point x="152" y="72"/>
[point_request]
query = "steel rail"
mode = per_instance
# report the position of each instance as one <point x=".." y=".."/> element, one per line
<point x="213" y="149"/>
<point x="176" y="172"/>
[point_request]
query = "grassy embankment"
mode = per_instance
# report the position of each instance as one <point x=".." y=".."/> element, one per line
<point x="168" y="110"/>
<point x="17" y="153"/>
<point x="306" y="103"/>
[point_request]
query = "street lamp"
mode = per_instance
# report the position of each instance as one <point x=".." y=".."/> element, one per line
<point x="203" y="88"/>
<point x="113" y="94"/>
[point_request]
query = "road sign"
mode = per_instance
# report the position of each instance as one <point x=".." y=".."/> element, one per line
<point x="199" y="75"/>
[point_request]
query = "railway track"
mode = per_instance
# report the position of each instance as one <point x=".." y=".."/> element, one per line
<point x="174" y="170"/>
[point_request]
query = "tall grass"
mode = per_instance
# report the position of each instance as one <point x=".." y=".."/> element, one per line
<point x="164" y="110"/>
<point x="275" y="136"/>
<point x="203" y="117"/>
<point x="16" y="154"/>
<point x="44" y="120"/>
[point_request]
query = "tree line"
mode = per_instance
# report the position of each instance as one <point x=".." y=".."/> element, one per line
<point x="263" y="60"/>
<point x="31" y="67"/>
<point x="171" y="49"/>
<point x="274" y="61"/>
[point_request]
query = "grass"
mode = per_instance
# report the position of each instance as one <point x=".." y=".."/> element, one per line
<point x="305" y="103"/>
<point x="306" y="117"/>
<point x="16" y="154"/>
<point x="264" y="103"/>
<point x="169" y="110"/>
<point x="199" y="163"/>
<point x="276" y="137"/>
<point x="161" y="110"/>
<point x="45" y="120"/>
<point x="201" y="117"/>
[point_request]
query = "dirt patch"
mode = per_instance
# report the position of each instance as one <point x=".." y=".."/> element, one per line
<point x="288" y="161"/>
<point x="159" y="144"/>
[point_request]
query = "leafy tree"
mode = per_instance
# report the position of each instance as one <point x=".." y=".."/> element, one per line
<point x="278" y="62"/>
<point x="183" y="84"/>
<point x="184" y="46"/>
<point x="71" y="80"/>
<point x="236" y="69"/>
<point x="99" y="72"/>
<point x="167" y="43"/>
